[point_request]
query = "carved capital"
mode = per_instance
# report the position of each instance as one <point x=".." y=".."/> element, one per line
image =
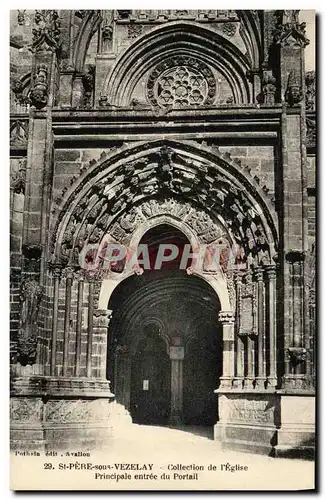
<point x="258" y="274"/>
<point x="227" y="317"/>
<point x="68" y="272"/>
<point x="56" y="270"/>
<point x="270" y="272"/>
<point x="238" y="277"/>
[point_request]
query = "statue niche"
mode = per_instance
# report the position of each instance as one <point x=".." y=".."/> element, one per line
<point x="30" y="298"/>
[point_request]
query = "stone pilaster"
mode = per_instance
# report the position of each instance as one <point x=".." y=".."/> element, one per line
<point x="57" y="270"/>
<point x="227" y="319"/>
<point x="81" y="280"/>
<point x="239" y="346"/>
<point x="270" y="272"/>
<point x="68" y="286"/>
<point x="44" y="77"/>
<point x="261" y="370"/>
<point x="176" y="357"/>
<point x="290" y="40"/>
<point x="101" y="322"/>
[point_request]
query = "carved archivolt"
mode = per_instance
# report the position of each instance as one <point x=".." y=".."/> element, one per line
<point x="163" y="181"/>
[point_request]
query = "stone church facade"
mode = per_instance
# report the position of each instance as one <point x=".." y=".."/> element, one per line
<point x="162" y="126"/>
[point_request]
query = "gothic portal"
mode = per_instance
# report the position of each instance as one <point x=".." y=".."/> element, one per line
<point x="156" y="127"/>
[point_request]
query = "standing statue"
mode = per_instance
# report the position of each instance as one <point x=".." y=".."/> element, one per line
<point x="30" y="297"/>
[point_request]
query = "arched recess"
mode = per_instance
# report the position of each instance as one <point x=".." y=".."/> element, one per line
<point x="216" y="281"/>
<point x="171" y="306"/>
<point x="251" y="34"/>
<point x="183" y="39"/>
<point x="201" y="185"/>
<point x="89" y="26"/>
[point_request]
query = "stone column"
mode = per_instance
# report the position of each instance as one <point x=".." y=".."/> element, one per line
<point x="90" y="325"/>
<point x="294" y="345"/>
<point x="100" y="339"/>
<point x="56" y="278"/>
<point x="176" y="354"/>
<point x="81" y="279"/>
<point x="258" y="275"/>
<point x="239" y="346"/>
<point x="270" y="271"/>
<point x="69" y="280"/>
<point x="227" y="319"/>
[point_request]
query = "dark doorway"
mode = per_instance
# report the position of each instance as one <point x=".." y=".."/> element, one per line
<point x="150" y="382"/>
<point x="202" y="370"/>
<point x="141" y="365"/>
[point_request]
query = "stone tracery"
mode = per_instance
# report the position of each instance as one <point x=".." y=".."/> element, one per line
<point x="181" y="81"/>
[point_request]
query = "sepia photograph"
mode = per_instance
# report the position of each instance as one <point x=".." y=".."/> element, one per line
<point x="162" y="250"/>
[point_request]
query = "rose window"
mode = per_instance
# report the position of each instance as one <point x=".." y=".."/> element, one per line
<point x="190" y="84"/>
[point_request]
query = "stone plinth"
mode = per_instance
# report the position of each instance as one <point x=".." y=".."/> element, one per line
<point x="247" y="422"/>
<point x="49" y="413"/>
<point x="266" y="422"/>
<point x="296" y="437"/>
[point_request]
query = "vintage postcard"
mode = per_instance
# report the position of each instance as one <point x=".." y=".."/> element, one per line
<point x="163" y="246"/>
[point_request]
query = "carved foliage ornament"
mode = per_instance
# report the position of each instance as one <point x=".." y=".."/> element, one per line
<point x="311" y="132"/>
<point x="21" y="17"/>
<point x="310" y="90"/>
<point x="18" y="88"/>
<point x="229" y="29"/>
<point x="289" y="31"/>
<point x="134" y="30"/>
<point x="46" y="31"/>
<point x="18" y="178"/>
<point x="181" y="81"/>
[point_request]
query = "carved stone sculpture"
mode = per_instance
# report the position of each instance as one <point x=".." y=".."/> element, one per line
<point x="46" y="31"/>
<point x="293" y="94"/>
<point x="30" y="297"/>
<point x="39" y="92"/>
<point x="269" y="89"/>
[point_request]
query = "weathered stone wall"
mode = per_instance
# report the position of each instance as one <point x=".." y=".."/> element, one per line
<point x="260" y="159"/>
<point x="311" y="180"/>
<point x="17" y="201"/>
